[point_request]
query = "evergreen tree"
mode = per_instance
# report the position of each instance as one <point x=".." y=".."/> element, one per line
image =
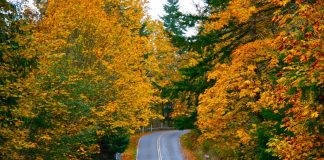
<point x="194" y="81"/>
<point x="172" y="19"/>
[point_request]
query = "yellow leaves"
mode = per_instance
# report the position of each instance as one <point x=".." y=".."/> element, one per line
<point x="257" y="90"/>
<point x="241" y="9"/>
<point x="18" y="123"/>
<point x="82" y="150"/>
<point x="39" y="158"/>
<point x="95" y="148"/>
<point x="180" y="109"/>
<point x="162" y="60"/>
<point x="193" y="62"/>
<point x="297" y="147"/>
<point x="84" y="97"/>
<point x="245" y="92"/>
<point x="244" y="137"/>
<point x="223" y="17"/>
<point x="23" y="112"/>
<point x="282" y="80"/>
<point x="79" y="54"/>
<point x="27" y="55"/>
<point x="90" y="74"/>
<point x="273" y="63"/>
<point x="251" y="68"/>
<point x="280" y="2"/>
<point x="100" y="132"/>
<point x="45" y="138"/>
<point x="314" y="115"/>
<point x="26" y="145"/>
<point x="273" y="77"/>
<point x="232" y="98"/>
<point x="218" y="72"/>
<point x="105" y="110"/>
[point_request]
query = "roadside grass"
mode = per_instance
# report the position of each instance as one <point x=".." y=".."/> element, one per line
<point x="193" y="150"/>
<point x="188" y="142"/>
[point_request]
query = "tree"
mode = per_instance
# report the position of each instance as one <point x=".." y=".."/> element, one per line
<point x="89" y="83"/>
<point x="172" y="20"/>
<point x="253" y="105"/>
<point x="257" y="77"/>
<point x="184" y="91"/>
<point x="15" y="65"/>
<point x="114" y="142"/>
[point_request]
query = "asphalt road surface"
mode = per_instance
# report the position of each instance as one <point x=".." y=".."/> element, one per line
<point x="163" y="145"/>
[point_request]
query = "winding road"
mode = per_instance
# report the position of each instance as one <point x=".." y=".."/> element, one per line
<point x="163" y="145"/>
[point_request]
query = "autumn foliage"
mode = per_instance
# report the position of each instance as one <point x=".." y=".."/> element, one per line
<point x="80" y="76"/>
<point x="80" y="81"/>
<point x="267" y="100"/>
<point x="257" y="80"/>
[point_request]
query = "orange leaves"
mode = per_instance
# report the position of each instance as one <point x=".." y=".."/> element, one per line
<point x="94" y="75"/>
<point x="242" y="87"/>
<point x="45" y="138"/>
<point x="100" y="132"/>
<point x="298" y="147"/>
<point x="280" y="2"/>
<point x="314" y="115"/>
<point x="223" y="17"/>
<point x="251" y="68"/>
<point x="242" y="10"/>
<point x="271" y="86"/>
<point x="244" y="137"/>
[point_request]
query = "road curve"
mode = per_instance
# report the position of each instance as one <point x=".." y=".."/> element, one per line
<point x="163" y="145"/>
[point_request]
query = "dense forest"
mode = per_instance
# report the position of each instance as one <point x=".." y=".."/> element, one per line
<point x="255" y="89"/>
<point x="78" y="77"/>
